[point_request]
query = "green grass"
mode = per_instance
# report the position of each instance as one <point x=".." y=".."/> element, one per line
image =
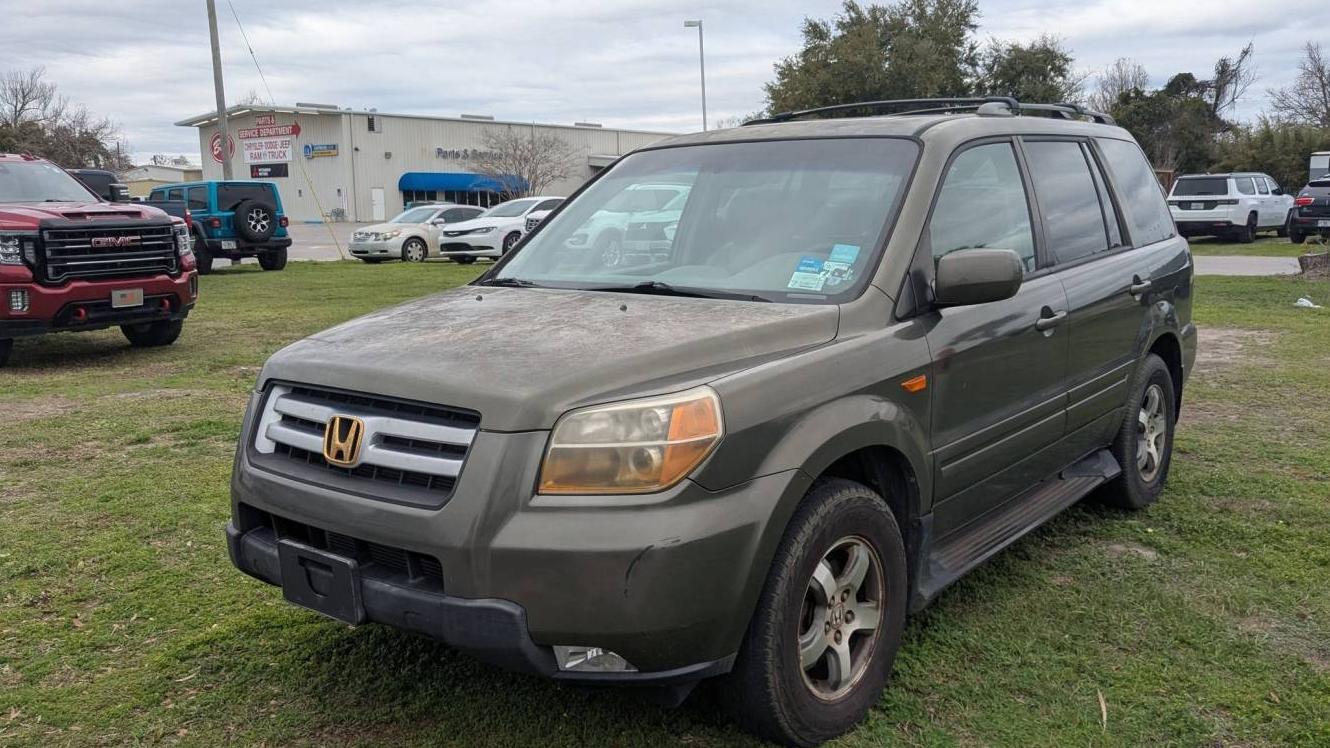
<point x="1202" y="621"/>
<point x="1264" y="246"/>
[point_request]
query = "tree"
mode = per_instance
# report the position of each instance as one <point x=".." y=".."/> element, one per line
<point x="522" y="161"/>
<point x="910" y="49"/>
<point x="35" y="118"/>
<point x="252" y="98"/>
<point x="1175" y="124"/>
<point x="1277" y="147"/>
<point x="1307" y="101"/>
<point x="1232" y="77"/>
<point x="1041" y="71"/>
<point x="1123" y="76"/>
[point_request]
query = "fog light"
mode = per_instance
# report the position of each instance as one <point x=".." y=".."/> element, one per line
<point x="18" y="299"/>
<point x="591" y="660"/>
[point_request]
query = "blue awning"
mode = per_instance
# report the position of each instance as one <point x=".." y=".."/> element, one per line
<point x="458" y="181"/>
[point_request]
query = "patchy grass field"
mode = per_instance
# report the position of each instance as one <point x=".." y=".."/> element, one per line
<point x="1204" y="621"/>
<point x="1265" y="246"/>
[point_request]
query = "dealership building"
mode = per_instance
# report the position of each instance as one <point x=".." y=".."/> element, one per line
<point x="349" y="165"/>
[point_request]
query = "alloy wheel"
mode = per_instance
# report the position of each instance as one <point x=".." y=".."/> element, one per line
<point x="1151" y="433"/>
<point x="840" y="621"/>
<point x="258" y="220"/>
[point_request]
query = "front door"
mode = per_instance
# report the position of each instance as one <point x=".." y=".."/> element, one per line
<point x="999" y="372"/>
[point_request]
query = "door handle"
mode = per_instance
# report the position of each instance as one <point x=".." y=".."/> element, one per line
<point x="1139" y="286"/>
<point x="1049" y="322"/>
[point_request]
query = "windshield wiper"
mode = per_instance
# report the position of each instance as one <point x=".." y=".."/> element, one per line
<point x="660" y="288"/>
<point x="509" y="283"/>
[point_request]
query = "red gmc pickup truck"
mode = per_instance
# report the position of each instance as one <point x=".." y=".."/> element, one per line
<point x="70" y="261"/>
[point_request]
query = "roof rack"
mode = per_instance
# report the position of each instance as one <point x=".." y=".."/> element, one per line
<point x="982" y="105"/>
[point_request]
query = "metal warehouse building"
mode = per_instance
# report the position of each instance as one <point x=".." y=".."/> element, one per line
<point x="365" y="166"/>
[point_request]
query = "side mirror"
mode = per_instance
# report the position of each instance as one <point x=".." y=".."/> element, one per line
<point x="1277" y="191"/>
<point x="977" y="276"/>
<point x="437" y="222"/>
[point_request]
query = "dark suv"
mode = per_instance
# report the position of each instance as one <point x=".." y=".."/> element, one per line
<point x="864" y="355"/>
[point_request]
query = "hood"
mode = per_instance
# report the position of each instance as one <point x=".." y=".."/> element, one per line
<point x="380" y="228"/>
<point x="523" y="357"/>
<point x="29" y="215"/>
<point x="476" y="223"/>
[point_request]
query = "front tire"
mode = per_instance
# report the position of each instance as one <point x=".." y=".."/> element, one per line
<point x="510" y="241"/>
<point x="822" y="641"/>
<point x="273" y="259"/>
<point x="153" y="334"/>
<point x="1144" y="444"/>
<point x="414" y="250"/>
<point x="1283" y="229"/>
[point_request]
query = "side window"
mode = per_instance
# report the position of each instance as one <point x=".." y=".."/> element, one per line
<point x="982" y="204"/>
<point x="1105" y="199"/>
<point x="198" y="198"/>
<point x="1068" y="200"/>
<point x="157" y="195"/>
<point x="176" y="194"/>
<point x="1274" y="187"/>
<point x="1261" y="186"/>
<point x="1244" y="185"/>
<point x="1139" y="193"/>
<point x="548" y="205"/>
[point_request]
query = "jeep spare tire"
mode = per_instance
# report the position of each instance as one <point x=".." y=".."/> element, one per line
<point x="255" y="221"/>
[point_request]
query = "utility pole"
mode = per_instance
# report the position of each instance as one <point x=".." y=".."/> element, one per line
<point x="221" y="93"/>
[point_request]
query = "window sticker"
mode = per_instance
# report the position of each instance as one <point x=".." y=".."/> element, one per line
<point x="846" y="253"/>
<point x="837" y="273"/>
<point x="808" y="275"/>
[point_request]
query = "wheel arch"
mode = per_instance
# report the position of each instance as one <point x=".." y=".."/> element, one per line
<point x="1168" y="346"/>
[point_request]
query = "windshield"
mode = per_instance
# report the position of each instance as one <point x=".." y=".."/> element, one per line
<point x="415" y="215"/>
<point x="509" y="209"/>
<point x="781" y="220"/>
<point x="642" y="199"/>
<point x="39" y="181"/>
<point x="1201" y="186"/>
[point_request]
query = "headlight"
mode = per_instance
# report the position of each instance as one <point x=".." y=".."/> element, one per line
<point x="639" y="446"/>
<point x="14" y="248"/>
<point x="484" y="230"/>
<point x="391" y="234"/>
<point x="184" y="241"/>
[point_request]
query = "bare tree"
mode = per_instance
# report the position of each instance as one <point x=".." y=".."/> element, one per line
<point x="251" y="98"/>
<point x="1124" y="75"/>
<point x="1233" y="76"/>
<point x="1307" y="101"/>
<point x="522" y="160"/>
<point x="161" y="159"/>
<point x="27" y="97"/>
<point x="35" y="118"/>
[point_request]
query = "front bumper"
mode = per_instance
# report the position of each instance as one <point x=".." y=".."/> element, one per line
<point x="57" y="308"/>
<point x="667" y="581"/>
<point x="389" y="248"/>
<point x="479" y="245"/>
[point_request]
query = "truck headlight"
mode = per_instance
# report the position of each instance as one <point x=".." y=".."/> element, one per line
<point x="13" y="247"/>
<point x="638" y="446"/>
<point x="184" y="241"/>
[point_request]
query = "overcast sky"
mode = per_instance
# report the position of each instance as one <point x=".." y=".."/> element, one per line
<point x="627" y="63"/>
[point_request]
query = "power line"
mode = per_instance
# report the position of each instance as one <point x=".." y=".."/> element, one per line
<point x="250" y="47"/>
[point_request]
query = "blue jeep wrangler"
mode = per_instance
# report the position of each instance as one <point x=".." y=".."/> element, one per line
<point x="232" y="219"/>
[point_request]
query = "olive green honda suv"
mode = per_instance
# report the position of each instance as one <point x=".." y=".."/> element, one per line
<point x="864" y="355"/>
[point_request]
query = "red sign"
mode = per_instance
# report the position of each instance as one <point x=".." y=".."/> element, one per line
<point x="216" y="147"/>
<point x="270" y="131"/>
<point x="265" y="119"/>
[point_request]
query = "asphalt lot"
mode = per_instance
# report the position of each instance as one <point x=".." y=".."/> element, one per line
<point x="1234" y="265"/>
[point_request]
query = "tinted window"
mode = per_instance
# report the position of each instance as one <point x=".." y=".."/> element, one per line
<point x="549" y="205"/>
<point x="1073" y="219"/>
<point x="460" y="214"/>
<point x="1105" y="199"/>
<point x="198" y="198"/>
<point x="157" y="195"/>
<point x="229" y="194"/>
<point x="1244" y="185"/>
<point x="176" y="194"/>
<point x="1139" y="193"/>
<point x="1274" y="188"/>
<point x="982" y="204"/>
<point x="1191" y="186"/>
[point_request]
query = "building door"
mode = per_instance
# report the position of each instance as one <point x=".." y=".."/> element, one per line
<point x="376" y="206"/>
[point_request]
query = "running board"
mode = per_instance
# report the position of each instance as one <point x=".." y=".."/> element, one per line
<point x="953" y="556"/>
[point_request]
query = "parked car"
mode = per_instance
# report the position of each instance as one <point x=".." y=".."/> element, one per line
<point x="70" y="261"/>
<point x="607" y="230"/>
<point x="1311" y="212"/>
<point x="1232" y="206"/>
<point x="874" y="353"/>
<point x="494" y="232"/>
<point x="412" y="236"/>
<point x="104" y="184"/>
<point x="232" y="220"/>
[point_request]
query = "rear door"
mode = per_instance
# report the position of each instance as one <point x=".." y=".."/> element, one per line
<point x="999" y="387"/>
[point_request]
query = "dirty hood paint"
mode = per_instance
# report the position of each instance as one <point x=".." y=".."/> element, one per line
<point x="522" y="357"/>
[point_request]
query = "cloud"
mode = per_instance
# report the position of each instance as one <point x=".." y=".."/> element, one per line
<point x="631" y="63"/>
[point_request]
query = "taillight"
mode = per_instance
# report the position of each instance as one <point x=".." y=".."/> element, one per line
<point x="189" y="220"/>
<point x="215" y="223"/>
<point x="283" y="221"/>
<point x="1303" y="201"/>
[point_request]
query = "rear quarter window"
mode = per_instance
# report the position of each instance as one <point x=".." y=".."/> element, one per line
<point x="231" y="194"/>
<point x="1139" y="193"/>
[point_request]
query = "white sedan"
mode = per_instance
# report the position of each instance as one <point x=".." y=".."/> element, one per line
<point x="412" y="236"/>
<point x="494" y="232"/>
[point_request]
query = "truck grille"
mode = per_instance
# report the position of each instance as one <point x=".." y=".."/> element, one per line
<point x="102" y="252"/>
<point x="531" y="224"/>
<point x="410" y="453"/>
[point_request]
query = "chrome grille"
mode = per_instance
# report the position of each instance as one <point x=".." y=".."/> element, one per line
<point x="141" y="250"/>
<point x="411" y="452"/>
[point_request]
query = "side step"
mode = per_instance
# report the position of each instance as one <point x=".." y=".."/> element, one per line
<point x="954" y="555"/>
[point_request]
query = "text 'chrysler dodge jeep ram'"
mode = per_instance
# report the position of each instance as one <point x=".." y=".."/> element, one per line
<point x="70" y="261"/>
<point x="864" y="355"/>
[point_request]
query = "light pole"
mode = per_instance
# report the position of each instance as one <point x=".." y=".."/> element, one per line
<point x="702" y="64"/>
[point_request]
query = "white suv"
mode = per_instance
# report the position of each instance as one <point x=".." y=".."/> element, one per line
<point x="1232" y="206"/>
<point x="493" y="232"/>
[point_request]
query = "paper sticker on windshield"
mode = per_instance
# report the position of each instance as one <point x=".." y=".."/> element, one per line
<point x="837" y="273"/>
<point x="808" y="275"/>
<point x="846" y="253"/>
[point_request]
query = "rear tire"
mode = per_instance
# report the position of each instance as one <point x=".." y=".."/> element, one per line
<point x="6" y="348"/>
<point x="1144" y="444"/>
<point x="153" y="334"/>
<point x="273" y="259"/>
<point x="202" y="256"/>
<point x="1295" y="236"/>
<point x="770" y="691"/>
<point x="1247" y="234"/>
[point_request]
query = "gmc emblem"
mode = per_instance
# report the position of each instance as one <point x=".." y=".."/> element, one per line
<point x="101" y="242"/>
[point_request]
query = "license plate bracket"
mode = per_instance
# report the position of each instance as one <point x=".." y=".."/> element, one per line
<point x="228" y="244"/>
<point x="1323" y="224"/>
<point x="123" y="298"/>
<point x="323" y="582"/>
